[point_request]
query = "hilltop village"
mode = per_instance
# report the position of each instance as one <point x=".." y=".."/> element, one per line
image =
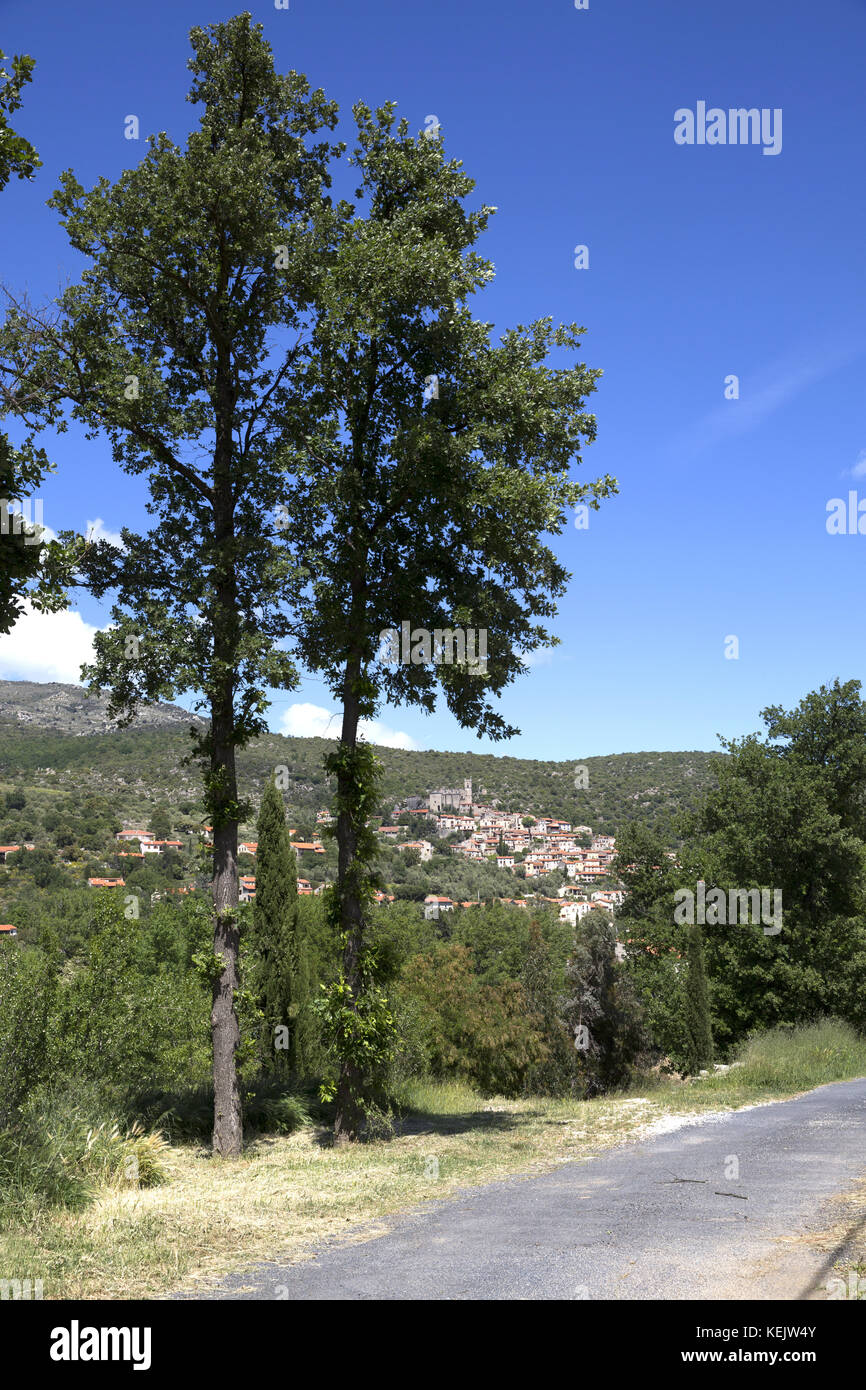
<point x="530" y="847"/>
<point x="432" y="846"/>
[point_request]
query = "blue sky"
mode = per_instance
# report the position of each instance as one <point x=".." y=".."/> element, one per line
<point x="705" y="261"/>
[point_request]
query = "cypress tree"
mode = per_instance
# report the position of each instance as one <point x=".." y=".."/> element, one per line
<point x="699" y="1033"/>
<point x="280" y="971"/>
<point x="600" y="998"/>
<point x="552" y="1076"/>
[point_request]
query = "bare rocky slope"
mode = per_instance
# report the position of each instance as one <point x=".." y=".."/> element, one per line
<point x="68" y="709"/>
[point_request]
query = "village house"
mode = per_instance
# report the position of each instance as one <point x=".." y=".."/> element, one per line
<point x="449" y="823"/>
<point x="160" y="846"/>
<point x="7" y="932"/>
<point x="424" y="848"/>
<point x="574" y="912"/>
<point x="613" y="896"/>
<point x="106" y="883"/>
<point x="246" y="888"/>
<point x="434" y="904"/>
<point x="470" y="850"/>
<point x="572" y="891"/>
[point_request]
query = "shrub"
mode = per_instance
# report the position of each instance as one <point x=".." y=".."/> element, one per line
<point x="26" y="989"/>
<point x="269" y="1107"/>
<point x="62" y="1148"/>
<point x="479" y="1033"/>
<point x="111" y="1023"/>
<point x="602" y="1007"/>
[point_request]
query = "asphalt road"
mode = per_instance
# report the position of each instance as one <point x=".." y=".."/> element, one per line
<point x="665" y="1218"/>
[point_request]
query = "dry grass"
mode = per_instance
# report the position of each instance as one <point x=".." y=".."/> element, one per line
<point x="840" y="1241"/>
<point x="288" y="1194"/>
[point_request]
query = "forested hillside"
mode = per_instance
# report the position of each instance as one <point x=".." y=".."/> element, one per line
<point x="135" y="766"/>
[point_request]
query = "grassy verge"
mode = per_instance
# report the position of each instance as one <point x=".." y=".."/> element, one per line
<point x="292" y="1191"/>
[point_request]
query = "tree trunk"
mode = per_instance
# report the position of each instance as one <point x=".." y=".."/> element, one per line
<point x="225" y="1029"/>
<point x="347" y="1120"/>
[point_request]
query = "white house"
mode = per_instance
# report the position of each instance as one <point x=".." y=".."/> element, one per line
<point x="424" y="848"/>
<point x="434" y="904"/>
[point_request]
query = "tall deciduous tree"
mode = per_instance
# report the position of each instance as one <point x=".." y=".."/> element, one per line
<point x="789" y="817"/>
<point x="175" y="344"/>
<point x="439" y="461"/>
<point x="17" y="155"/>
<point x="26" y="566"/>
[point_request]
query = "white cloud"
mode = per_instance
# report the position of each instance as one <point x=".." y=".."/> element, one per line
<point x="313" y="721"/>
<point x="542" y="657"/>
<point x="96" y="531"/>
<point x="309" y="721"/>
<point x="763" y="392"/>
<point x="374" y="732"/>
<point x="47" y="647"/>
<point x="859" y="468"/>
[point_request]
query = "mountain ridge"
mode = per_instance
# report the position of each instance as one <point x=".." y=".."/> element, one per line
<point x="78" y="747"/>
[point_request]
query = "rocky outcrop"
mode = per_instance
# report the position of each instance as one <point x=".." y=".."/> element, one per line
<point x="69" y="709"/>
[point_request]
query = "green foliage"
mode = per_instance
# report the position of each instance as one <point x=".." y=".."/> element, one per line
<point x="542" y="981"/>
<point x="788" y="816"/>
<point x="17" y="155"/>
<point x="474" y="1032"/>
<point x="792" y="1058"/>
<point x="160" y="823"/>
<point x="27" y="987"/>
<point x="699" y="1033"/>
<point x="653" y="944"/>
<point x="109" y="1021"/>
<point x="498" y="936"/>
<point x="63" y="1147"/>
<point x="279" y="972"/>
<point x="143" y="764"/>
<point x="357" y="1023"/>
<point x="26" y="567"/>
<point x="358" y="1026"/>
<point x="600" y="1000"/>
<point x="186" y="1114"/>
